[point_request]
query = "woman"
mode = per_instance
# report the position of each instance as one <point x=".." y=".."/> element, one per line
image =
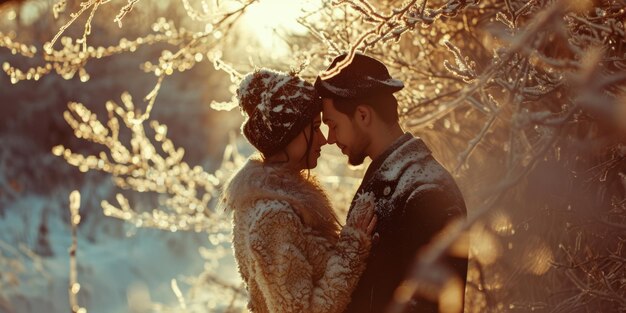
<point x="286" y="235"/>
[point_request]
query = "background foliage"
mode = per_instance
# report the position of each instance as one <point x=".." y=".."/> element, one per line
<point x="522" y="100"/>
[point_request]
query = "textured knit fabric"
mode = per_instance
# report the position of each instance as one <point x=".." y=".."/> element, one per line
<point x="415" y="198"/>
<point x="289" y="260"/>
<point x="277" y="107"/>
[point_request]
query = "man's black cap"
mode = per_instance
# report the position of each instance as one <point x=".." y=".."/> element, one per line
<point x="363" y="77"/>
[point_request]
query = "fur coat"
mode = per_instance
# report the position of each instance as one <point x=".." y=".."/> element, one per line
<point x="288" y="251"/>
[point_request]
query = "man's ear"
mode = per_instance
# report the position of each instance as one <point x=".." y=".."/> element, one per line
<point x="363" y="115"/>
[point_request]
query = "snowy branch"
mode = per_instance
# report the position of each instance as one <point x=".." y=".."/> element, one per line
<point x="142" y="168"/>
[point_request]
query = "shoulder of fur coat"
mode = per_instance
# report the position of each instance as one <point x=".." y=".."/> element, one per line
<point x="288" y="267"/>
<point x="258" y="181"/>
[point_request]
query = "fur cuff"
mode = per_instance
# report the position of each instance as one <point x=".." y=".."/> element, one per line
<point x="358" y="239"/>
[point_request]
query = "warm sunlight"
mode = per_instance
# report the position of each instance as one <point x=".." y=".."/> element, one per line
<point x="167" y="154"/>
<point x="269" y="22"/>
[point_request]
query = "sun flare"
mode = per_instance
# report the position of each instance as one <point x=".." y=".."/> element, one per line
<point x="268" y="22"/>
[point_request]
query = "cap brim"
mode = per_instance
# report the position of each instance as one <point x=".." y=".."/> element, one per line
<point x="327" y="90"/>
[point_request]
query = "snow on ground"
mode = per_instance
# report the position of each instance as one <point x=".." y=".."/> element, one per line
<point x="113" y="259"/>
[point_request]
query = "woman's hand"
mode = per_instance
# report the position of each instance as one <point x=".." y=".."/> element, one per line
<point x="362" y="216"/>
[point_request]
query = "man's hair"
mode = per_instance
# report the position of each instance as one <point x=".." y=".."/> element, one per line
<point x="384" y="104"/>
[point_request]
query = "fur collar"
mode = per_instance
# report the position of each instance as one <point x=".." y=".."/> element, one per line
<point x="257" y="180"/>
<point x="412" y="150"/>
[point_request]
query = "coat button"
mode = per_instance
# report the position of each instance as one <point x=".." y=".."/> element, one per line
<point x="387" y="191"/>
<point x="375" y="238"/>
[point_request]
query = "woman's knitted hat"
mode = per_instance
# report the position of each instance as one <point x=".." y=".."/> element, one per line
<point x="277" y="107"/>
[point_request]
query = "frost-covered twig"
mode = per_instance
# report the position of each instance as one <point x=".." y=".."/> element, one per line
<point x="125" y="10"/>
<point x="142" y="168"/>
<point x="400" y="20"/>
<point x="192" y="47"/>
<point x="84" y="6"/>
<point x="474" y="142"/>
<point x="74" y="286"/>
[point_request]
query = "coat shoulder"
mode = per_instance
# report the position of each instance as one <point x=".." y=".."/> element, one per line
<point x="275" y="212"/>
<point x="409" y="168"/>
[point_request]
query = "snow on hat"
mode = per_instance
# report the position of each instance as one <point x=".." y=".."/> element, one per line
<point x="363" y="77"/>
<point x="277" y="107"/>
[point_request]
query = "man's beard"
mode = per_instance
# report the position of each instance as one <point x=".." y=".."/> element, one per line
<point x="357" y="152"/>
<point x="356" y="159"/>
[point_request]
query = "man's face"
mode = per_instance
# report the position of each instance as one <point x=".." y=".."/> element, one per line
<point x="345" y="132"/>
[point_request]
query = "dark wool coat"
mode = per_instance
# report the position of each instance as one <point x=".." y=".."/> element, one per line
<point x="415" y="198"/>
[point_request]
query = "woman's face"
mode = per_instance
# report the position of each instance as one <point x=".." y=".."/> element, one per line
<point x="297" y="148"/>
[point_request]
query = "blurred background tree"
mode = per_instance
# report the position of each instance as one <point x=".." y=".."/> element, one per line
<point x="522" y="100"/>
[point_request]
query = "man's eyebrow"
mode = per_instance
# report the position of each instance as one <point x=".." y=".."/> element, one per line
<point x="327" y="119"/>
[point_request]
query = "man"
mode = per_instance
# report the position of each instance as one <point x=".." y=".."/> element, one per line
<point x="415" y="196"/>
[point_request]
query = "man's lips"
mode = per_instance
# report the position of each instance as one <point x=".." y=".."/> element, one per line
<point x="342" y="147"/>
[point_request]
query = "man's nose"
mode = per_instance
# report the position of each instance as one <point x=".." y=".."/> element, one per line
<point x="331" y="137"/>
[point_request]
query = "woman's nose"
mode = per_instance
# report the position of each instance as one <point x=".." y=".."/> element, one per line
<point x="322" y="139"/>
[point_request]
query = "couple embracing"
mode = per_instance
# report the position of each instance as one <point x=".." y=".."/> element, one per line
<point x="292" y="251"/>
